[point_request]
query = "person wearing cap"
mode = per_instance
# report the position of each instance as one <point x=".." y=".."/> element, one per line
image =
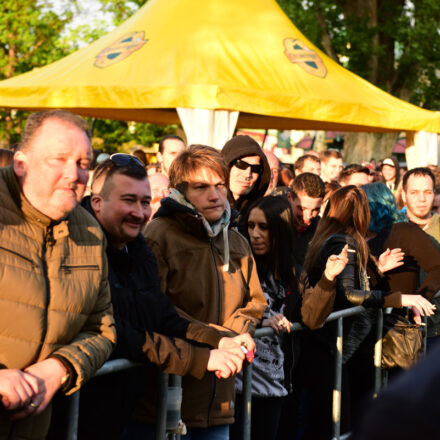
<point x="390" y="173"/>
<point x="249" y="172"/>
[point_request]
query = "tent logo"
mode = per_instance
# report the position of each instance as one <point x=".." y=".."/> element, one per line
<point x="120" y="49"/>
<point x="298" y="53"/>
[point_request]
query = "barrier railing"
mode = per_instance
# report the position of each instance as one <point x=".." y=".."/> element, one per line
<point x="161" y="429"/>
<point x="336" y="407"/>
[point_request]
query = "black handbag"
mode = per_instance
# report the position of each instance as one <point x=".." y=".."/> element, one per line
<point x="401" y="342"/>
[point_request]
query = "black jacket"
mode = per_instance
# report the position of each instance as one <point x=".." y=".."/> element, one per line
<point x="351" y="291"/>
<point x="149" y="331"/>
<point x="146" y="320"/>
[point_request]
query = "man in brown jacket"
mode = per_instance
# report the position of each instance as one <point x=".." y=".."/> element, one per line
<point x="56" y="323"/>
<point x="207" y="270"/>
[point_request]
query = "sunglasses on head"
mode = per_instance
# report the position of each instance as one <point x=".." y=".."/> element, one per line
<point x="243" y="165"/>
<point x="122" y="160"/>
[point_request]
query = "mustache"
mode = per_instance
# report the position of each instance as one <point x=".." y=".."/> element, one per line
<point x="136" y="221"/>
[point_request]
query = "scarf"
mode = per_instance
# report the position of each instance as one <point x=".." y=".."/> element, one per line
<point x="212" y="229"/>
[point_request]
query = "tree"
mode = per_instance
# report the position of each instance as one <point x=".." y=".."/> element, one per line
<point x="108" y="134"/>
<point x="29" y="37"/>
<point x="394" y="44"/>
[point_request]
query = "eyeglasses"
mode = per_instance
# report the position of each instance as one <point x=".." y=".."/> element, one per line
<point x="122" y="160"/>
<point x="243" y="165"/>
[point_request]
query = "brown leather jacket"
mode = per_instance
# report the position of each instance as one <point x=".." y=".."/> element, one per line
<point x="191" y="274"/>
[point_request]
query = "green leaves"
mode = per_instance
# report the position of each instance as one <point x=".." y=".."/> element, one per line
<point x="395" y="44"/>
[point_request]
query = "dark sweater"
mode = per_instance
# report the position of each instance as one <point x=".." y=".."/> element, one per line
<point x="420" y="252"/>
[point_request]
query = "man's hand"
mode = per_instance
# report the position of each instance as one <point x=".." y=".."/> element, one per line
<point x="50" y="372"/>
<point x="390" y="259"/>
<point x="17" y="388"/>
<point x="244" y="339"/>
<point x="224" y="363"/>
<point x="336" y="264"/>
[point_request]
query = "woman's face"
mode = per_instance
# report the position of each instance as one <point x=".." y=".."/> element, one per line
<point x="258" y="232"/>
<point x="388" y="172"/>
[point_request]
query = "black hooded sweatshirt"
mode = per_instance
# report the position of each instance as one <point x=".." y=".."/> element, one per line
<point x="237" y="148"/>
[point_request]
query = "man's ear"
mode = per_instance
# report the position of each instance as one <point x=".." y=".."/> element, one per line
<point x="96" y="201"/>
<point x="20" y="163"/>
<point x="159" y="157"/>
<point x="403" y="194"/>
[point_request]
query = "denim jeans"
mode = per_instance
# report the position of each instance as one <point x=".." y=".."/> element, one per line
<point x="212" y="433"/>
<point x="142" y="431"/>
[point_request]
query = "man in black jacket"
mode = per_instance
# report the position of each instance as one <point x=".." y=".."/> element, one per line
<point x="305" y="197"/>
<point x="148" y="327"/>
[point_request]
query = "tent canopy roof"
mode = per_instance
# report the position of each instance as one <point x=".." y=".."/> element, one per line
<point x="217" y="54"/>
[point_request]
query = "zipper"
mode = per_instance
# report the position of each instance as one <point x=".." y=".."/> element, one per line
<point x="19" y="255"/>
<point x="68" y="269"/>
<point x="211" y="401"/>
<point x="48" y="239"/>
<point x="214" y="382"/>
<point x="218" y="282"/>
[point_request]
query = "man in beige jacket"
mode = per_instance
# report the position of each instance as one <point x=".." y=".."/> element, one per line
<point x="56" y="323"/>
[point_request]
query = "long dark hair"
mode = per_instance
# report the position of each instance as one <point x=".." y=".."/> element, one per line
<point x="347" y="212"/>
<point x="279" y="260"/>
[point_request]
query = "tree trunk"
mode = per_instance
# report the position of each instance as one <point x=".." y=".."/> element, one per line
<point x="359" y="147"/>
<point x="319" y="144"/>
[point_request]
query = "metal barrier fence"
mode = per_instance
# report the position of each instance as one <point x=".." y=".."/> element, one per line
<point x="161" y="429"/>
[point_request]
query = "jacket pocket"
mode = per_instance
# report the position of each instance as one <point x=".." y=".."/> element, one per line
<point x="67" y="268"/>
<point x="18" y="255"/>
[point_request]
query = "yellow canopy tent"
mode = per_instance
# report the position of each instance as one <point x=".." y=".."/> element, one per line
<point x="240" y="56"/>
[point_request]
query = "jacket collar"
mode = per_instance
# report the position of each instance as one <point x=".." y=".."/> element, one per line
<point x="30" y="214"/>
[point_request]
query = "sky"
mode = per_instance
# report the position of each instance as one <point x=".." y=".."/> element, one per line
<point x="86" y="12"/>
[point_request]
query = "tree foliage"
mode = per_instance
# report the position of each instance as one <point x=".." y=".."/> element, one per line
<point x="394" y="44"/>
<point x="29" y="37"/>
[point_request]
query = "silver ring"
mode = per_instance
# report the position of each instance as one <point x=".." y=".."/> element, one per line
<point x="32" y="405"/>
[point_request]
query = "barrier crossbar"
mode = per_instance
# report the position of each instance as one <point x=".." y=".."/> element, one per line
<point x="161" y="430"/>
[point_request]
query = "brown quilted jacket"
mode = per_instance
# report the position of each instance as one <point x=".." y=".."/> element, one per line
<point x="54" y="295"/>
<point x="190" y="271"/>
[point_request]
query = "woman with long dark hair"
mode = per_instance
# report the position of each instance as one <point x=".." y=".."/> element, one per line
<point x="270" y="232"/>
<point x="345" y="222"/>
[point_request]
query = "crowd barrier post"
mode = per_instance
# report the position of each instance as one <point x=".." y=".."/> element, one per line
<point x="336" y="410"/>
<point x="73" y="416"/>
<point x="378" y="354"/>
<point x="247" y="399"/>
<point x="161" y="414"/>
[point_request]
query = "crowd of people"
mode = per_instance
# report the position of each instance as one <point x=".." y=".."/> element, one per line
<point x="175" y="265"/>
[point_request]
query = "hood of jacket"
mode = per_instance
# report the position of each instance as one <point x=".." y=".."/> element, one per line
<point x="242" y="146"/>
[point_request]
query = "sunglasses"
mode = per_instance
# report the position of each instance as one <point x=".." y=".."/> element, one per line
<point x="243" y="165"/>
<point x="122" y="160"/>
